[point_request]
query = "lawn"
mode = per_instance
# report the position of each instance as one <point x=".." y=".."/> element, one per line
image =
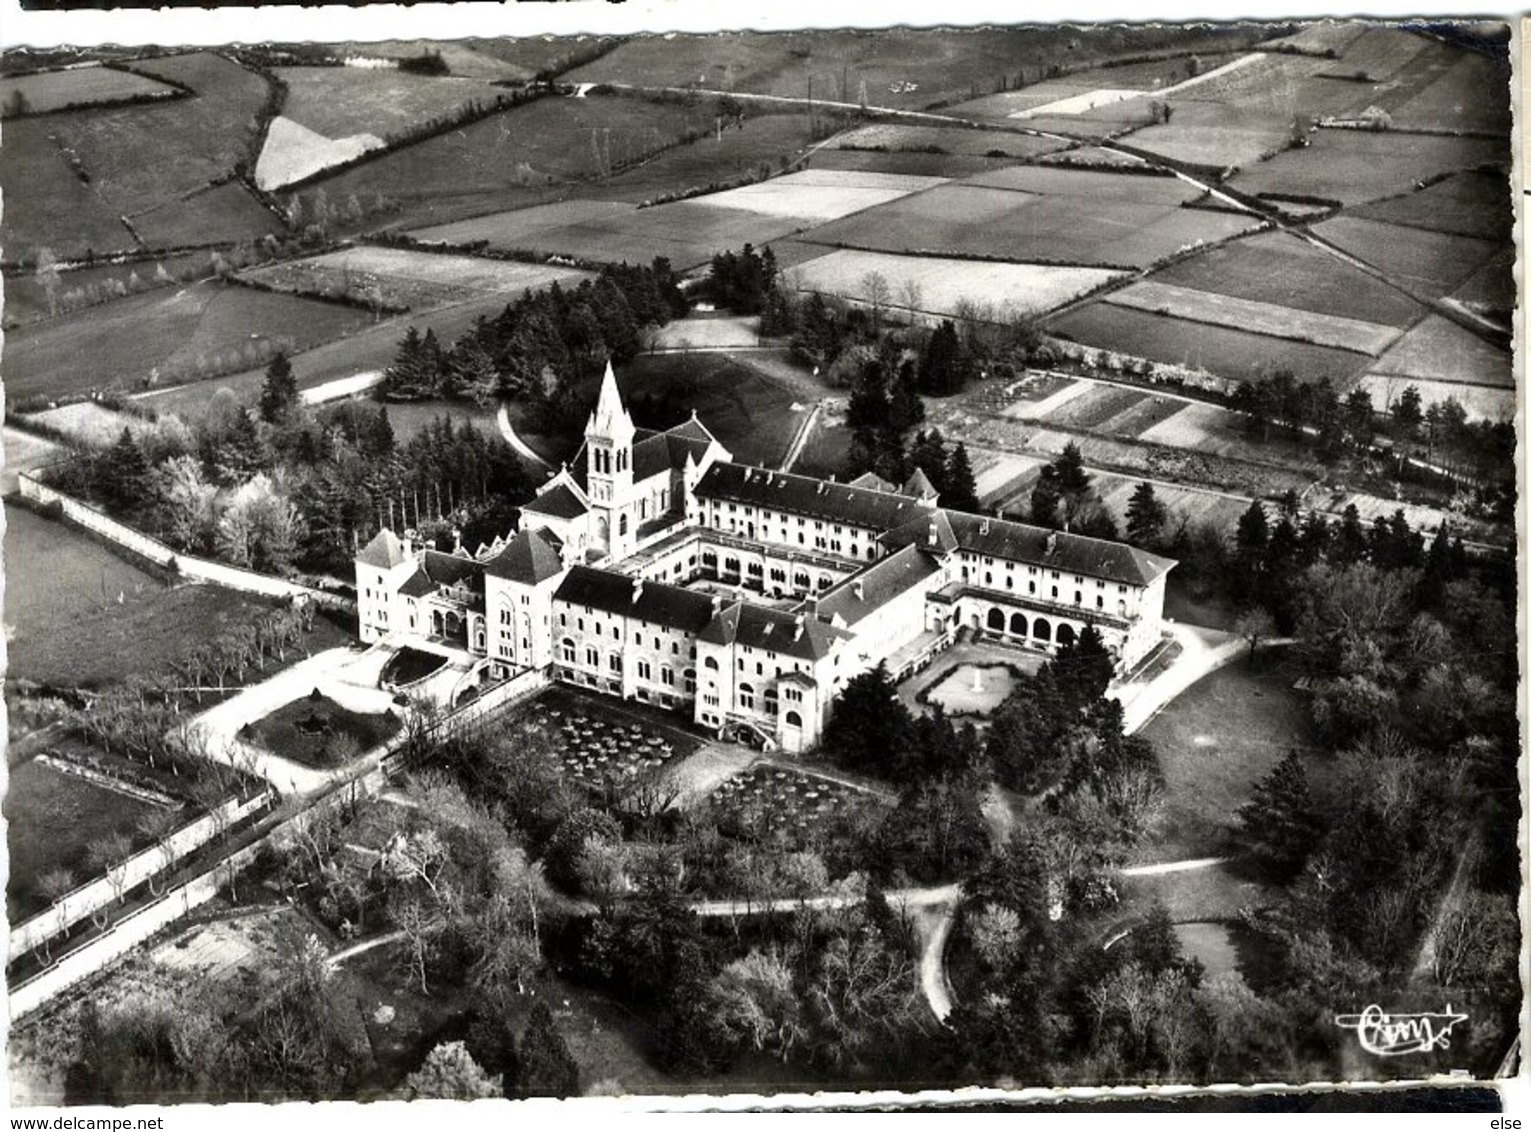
<point x="337" y="102"/>
<point x="182" y="333"/>
<point x="410" y="664"/>
<point x="1284" y="270"/>
<point x="749" y="412"/>
<point x="77" y="615"/>
<point x="972" y="689"/>
<point x="1224" y="351"/>
<point x="1440" y="350"/>
<point x="1255" y="317"/>
<point x="418" y="280"/>
<point x="318" y="732"/>
<point x="79" y="87"/>
<point x="1215" y="741"/>
<point x="943" y="285"/>
<point x="52" y="818"/>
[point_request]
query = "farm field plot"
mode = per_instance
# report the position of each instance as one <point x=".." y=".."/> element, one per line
<point x="293" y="152"/>
<point x="90" y="424"/>
<point x="1492" y="289"/>
<point x="122" y="343"/>
<point x="79" y="87"/>
<point x="340" y="101"/>
<point x="1354" y="167"/>
<point x="1136" y="419"/>
<point x="1481" y="402"/>
<point x="1148" y="189"/>
<point x="896" y="137"/>
<point x="223" y="214"/>
<point x="908" y="163"/>
<point x="46" y="203"/>
<point x="999" y="475"/>
<point x="818" y="195"/>
<point x="463" y="59"/>
<point x="26" y="299"/>
<point x="751" y="414"/>
<point x="1440" y="350"/>
<point x="970" y="219"/>
<point x="1322" y="37"/>
<point x="1215" y="135"/>
<point x="1092" y="157"/>
<point x="1431" y="264"/>
<point x="945" y="283"/>
<point x="1013" y="496"/>
<point x="1099" y="403"/>
<point x="1284" y="270"/>
<point x="194" y="140"/>
<point x="1472" y="95"/>
<point x="414" y="279"/>
<point x="1202" y="427"/>
<point x="518" y="156"/>
<point x="93" y="618"/>
<point x="1465" y="204"/>
<point x="1047" y="396"/>
<point x="899" y="68"/>
<point x="52" y="817"/>
<point x="764" y="143"/>
<point x="1378" y="53"/>
<point x="1219" y="350"/>
<point x="519" y="227"/>
<point x="1255" y="317"/>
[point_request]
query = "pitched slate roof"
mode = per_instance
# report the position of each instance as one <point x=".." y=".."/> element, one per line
<point x="385" y="551"/>
<point x="437" y="569"/>
<point x="864" y="593"/>
<point x="773" y="630"/>
<point x="873" y="481"/>
<point x="656" y="602"/>
<point x="919" y="486"/>
<point x="559" y="501"/>
<point x="529" y="557"/>
<point x="1036" y="546"/>
<point x="805" y="495"/>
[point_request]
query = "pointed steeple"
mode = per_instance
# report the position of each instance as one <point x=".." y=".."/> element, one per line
<point x="610" y="419"/>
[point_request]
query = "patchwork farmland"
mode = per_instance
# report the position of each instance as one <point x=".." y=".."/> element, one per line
<point x="77" y="88"/>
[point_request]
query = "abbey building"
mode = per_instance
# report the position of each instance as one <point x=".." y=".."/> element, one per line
<point x="659" y="570"/>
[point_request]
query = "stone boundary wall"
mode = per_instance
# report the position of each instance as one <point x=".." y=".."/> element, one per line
<point x="246" y="581"/>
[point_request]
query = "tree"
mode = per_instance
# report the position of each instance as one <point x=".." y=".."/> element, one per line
<point x="279" y="394"/>
<point x="449" y="1073"/>
<point x="961" y="488"/>
<point x="1279" y="823"/>
<point x="1145" y="516"/>
<point x="48" y="275"/>
<point x="1254" y="625"/>
<point x="124" y="474"/>
<point x="868" y="726"/>
<point x="547" y="1067"/>
<point x="1045" y="498"/>
<point x="876" y="291"/>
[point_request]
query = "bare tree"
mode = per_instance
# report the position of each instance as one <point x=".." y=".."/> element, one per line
<point x="875" y="290"/>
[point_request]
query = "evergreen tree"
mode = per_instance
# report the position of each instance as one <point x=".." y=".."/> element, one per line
<point x="1278" y="824"/>
<point x="928" y="453"/>
<point x="124" y="474"/>
<point x="1438" y="571"/>
<point x="869" y="728"/>
<point x="1046" y="498"/>
<point x="868" y="406"/>
<point x="945" y="363"/>
<point x="412" y="376"/>
<point x="1348" y="544"/>
<point x="547" y="1067"/>
<point x="1083" y="668"/>
<point x="1145" y="516"/>
<point x="1251" y="540"/>
<point x="905" y="409"/>
<point x="961" y="490"/>
<point x="279" y="394"/>
<point x="243" y="453"/>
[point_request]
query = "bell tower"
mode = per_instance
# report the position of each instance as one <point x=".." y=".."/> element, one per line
<point x="609" y="468"/>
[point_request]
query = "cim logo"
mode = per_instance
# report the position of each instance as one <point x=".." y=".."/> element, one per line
<point x="1394" y="1035"/>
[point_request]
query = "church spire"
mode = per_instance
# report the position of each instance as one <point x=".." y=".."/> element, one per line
<point x="610" y="419"/>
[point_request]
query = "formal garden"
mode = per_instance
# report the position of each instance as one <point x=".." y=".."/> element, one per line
<point x="318" y="732"/>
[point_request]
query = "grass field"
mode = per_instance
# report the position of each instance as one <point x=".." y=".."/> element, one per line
<point x="1214" y="135"/>
<point x="340" y="101"/>
<point x="944" y="283"/>
<point x="1430" y="264"/>
<point x="1224" y="351"/>
<point x="408" y="418"/>
<point x="223" y="214"/>
<point x="292" y="152"/>
<point x="417" y="280"/>
<point x="899" y="67"/>
<point x="170" y="329"/>
<point x="898" y="137"/>
<point x="1215" y="741"/>
<point x="1472" y="95"/>
<point x="517" y="157"/>
<point x="47" y="205"/>
<point x="1440" y="350"/>
<point x="688" y="232"/>
<point x="52" y="818"/>
<point x="92" y="618"/>
<point x="1466" y="204"/>
<point x="26" y="300"/>
<point x="1354" y="167"/>
<point x="751" y="414"/>
<point x="709" y="332"/>
<point x="1037" y="214"/>
<point x="79" y="87"/>
<point x="1255" y="317"/>
<point x="1281" y="269"/>
<point x="91" y="425"/>
<point x="765" y="143"/>
<point x="514" y="60"/>
<point x="817" y="196"/>
<point x="1492" y="289"/>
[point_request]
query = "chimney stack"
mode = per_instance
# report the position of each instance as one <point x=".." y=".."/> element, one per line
<point x="637" y="588"/>
<point x="857" y="587"/>
<point x="933" y="537"/>
<point x="983" y="528"/>
<point x="717" y="604"/>
<point x="1052" y="541"/>
<point x="797" y="630"/>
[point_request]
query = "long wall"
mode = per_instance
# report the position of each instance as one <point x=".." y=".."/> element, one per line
<point x="99" y="893"/>
<point x="234" y="578"/>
